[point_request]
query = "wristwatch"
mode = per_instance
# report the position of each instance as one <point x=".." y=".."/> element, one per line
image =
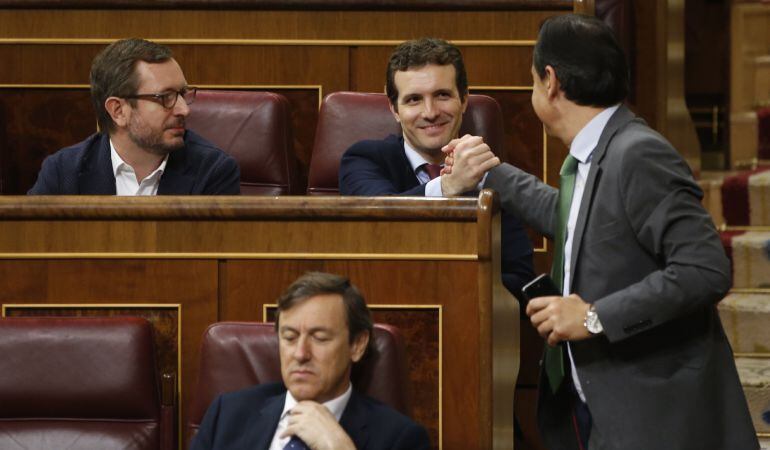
<point x="591" y="322"/>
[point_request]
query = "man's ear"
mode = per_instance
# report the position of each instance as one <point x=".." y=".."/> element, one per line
<point x="465" y="101"/>
<point x="394" y="111"/>
<point x="552" y="85"/>
<point x="358" y="346"/>
<point x="118" y="109"/>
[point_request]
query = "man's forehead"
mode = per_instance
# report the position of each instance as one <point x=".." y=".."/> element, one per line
<point x="160" y="76"/>
<point x="428" y="73"/>
<point x="319" y="311"/>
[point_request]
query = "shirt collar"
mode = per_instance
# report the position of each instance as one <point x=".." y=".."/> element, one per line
<point x="415" y="159"/>
<point x="118" y="164"/>
<point x="336" y="405"/>
<point x="586" y="140"/>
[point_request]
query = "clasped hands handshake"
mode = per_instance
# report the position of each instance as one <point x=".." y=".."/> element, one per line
<point x="467" y="159"/>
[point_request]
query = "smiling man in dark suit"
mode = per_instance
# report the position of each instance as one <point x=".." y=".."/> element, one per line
<point x="141" y="99"/>
<point x="428" y="92"/>
<point x="637" y="358"/>
<point x="323" y="327"/>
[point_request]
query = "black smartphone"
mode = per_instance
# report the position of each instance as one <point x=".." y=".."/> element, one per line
<point x="542" y="286"/>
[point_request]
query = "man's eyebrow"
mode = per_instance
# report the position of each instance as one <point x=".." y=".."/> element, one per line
<point x="283" y="328"/>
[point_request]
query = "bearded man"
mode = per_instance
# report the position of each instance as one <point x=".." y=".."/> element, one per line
<point x="141" y="100"/>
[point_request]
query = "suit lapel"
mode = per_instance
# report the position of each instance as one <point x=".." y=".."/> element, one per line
<point x="262" y="429"/>
<point x="95" y="175"/>
<point x="405" y="171"/>
<point x="354" y="420"/>
<point x="622" y="116"/>
<point x="175" y="179"/>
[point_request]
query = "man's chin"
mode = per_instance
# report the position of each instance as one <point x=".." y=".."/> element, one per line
<point x="302" y="392"/>
<point x="165" y="148"/>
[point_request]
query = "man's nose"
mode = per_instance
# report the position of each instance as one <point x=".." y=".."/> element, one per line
<point x="302" y="350"/>
<point x="430" y="110"/>
<point x="181" y="108"/>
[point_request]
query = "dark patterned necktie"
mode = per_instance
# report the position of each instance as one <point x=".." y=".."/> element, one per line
<point x="433" y="170"/>
<point x="554" y="357"/>
<point x="296" y="443"/>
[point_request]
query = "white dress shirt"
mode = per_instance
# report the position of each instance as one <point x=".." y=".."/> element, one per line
<point x="125" y="176"/>
<point x="336" y="406"/>
<point x="582" y="149"/>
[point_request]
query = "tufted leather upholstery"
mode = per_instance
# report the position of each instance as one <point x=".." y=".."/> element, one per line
<point x="349" y="117"/>
<point x="86" y="383"/>
<point x="255" y="129"/>
<point x="236" y="355"/>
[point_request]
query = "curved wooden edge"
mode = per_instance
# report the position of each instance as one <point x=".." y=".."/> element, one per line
<point x="288" y="207"/>
<point x="499" y="352"/>
<point x="300" y="5"/>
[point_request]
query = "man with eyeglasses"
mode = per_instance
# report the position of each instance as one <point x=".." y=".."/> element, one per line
<point x="141" y="99"/>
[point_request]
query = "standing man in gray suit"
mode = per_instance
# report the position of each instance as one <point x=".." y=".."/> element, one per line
<point x="636" y="355"/>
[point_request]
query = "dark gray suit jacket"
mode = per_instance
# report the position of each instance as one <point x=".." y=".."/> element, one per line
<point x="247" y="420"/>
<point x="198" y="168"/>
<point x="647" y="255"/>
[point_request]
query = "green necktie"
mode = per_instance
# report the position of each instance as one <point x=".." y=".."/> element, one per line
<point x="554" y="359"/>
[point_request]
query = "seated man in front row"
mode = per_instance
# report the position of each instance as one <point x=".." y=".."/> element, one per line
<point x="141" y="99"/>
<point x="323" y="327"/>
<point x="428" y="91"/>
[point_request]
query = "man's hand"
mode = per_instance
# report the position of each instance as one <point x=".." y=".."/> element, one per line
<point x="559" y="319"/>
<point x="468" y="159"/>
<point x="317" y="427"/>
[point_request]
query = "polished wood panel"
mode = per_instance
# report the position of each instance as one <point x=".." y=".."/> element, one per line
<point x="392" y="25"/>
<point x="749" y="53"/>
<point x="431" y="264"/>
<point x="366" y="5"/>
<point x="33" y="124"/>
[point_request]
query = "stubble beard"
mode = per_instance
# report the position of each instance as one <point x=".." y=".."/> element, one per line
<point x="150" y="140"/>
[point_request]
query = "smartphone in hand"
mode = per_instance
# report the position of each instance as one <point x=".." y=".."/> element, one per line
<point x="542" y="286"/>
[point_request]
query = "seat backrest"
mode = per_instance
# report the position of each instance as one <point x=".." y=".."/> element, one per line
<point x="255" y="129"/>
<point x="349" y="117"/>
<point x="236" y="355"/>
<point x="78" y="383"/>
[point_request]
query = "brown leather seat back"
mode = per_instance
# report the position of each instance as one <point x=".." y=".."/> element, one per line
<point x="236" y="355"/>
<point x="349" y="117"/>
<point x="255" y="129"/>
<point x="86" y="383"/>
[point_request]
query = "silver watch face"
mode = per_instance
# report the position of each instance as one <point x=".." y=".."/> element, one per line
<point x="592" y="323"/>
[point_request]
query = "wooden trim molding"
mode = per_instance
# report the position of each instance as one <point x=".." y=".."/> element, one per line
<point x="303" y="5"/>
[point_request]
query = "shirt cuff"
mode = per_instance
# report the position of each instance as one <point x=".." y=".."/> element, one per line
<point x="433" y="188"/>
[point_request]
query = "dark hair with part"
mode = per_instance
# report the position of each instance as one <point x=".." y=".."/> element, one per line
<point x="113" y="73"/>
<point x="421" y="52"/>
<point x="311" y="284"/>
<point x="589" y="63"/>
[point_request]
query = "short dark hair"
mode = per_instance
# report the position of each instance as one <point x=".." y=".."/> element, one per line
<point x="589" y="63"/>
<point x="421" y="52"/>
<point x="312" y="284"/>
<point x="113" y="73"/>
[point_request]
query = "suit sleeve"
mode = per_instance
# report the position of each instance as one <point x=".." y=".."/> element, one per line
<point x="225" y="177"/>
<point x="414" y="437"/>
<point x="525" y="196"/>
<point x="361" y="175"/>
<point x="662" y="204"/>
<point x="204" y="440"/>
<point x="48" y="178"/>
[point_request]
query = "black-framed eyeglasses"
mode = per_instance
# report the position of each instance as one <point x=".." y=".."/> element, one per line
<point x="168" y="99"/>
